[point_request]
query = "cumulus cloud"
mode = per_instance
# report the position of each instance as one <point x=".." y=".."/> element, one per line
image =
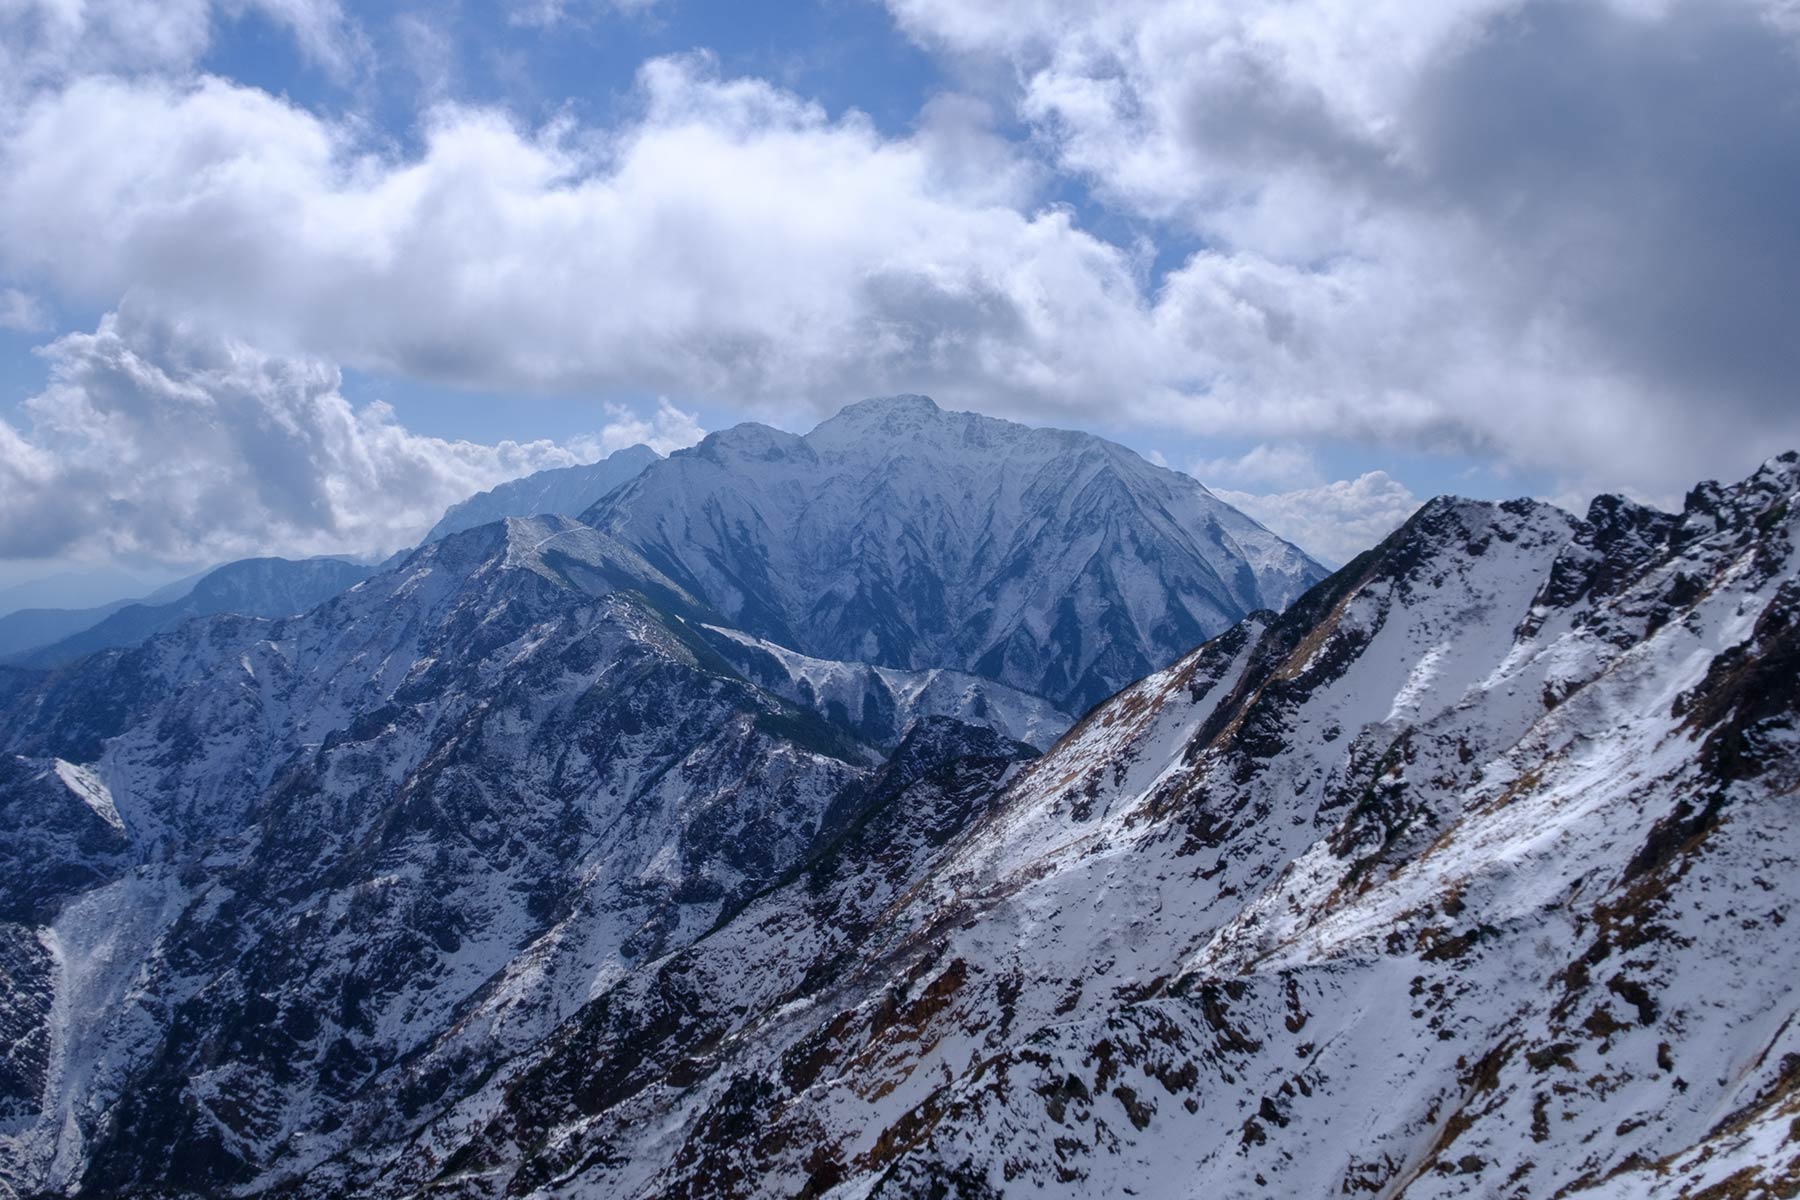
<point x="1509" y="228"/>
<point x="22" y="312"/>
<point x="1333" y="522"/>
<point x="731" y="241"/>
<point x="1556" y="232"/>
<point x="665" y="430"/>
<point x="157" y="440"/>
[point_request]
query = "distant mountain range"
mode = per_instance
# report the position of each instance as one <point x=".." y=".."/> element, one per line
<point x="274" y="587"/>
<point x="705" y="846"/>
<point x="266" y="587"/>
<point x="76" y="589"/>
<point x="25" y="629"/>
<point x="896" y="535"/>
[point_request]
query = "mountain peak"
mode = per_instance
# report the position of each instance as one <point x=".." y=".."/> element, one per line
<point x="884" y="424"/>
<point x="1468" y="527"/>
<point x="751" y="440"/>
<point x="902" y="535"/>
<point x="886" y="406"/>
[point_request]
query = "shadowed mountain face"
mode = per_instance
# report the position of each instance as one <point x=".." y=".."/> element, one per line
<point x="901" y="535"/>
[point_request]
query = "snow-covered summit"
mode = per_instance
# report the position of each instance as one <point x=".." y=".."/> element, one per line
<point x="902" y="535"/>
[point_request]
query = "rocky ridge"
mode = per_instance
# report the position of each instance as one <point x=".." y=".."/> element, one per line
<point x="521" y="870"/>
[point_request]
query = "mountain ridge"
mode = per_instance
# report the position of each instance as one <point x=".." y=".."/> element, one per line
<point x="564" y="491"/>
<point x="1384" y="906"/>
<point x="518" y="869"/>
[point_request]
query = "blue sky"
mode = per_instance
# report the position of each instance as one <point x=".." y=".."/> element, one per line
<point x="288" y="277"/>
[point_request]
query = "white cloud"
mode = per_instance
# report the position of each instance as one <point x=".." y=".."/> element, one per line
<point x="1333" y="522"/>
<point x="1511" y="226"/>
<point x="22" y="312"/>
<point x="732" y="242"/>
<point x="665" y="430"/>
<point x="155" y="440"/>
<point x="1278" y="466"/>
<point x="1366" y="275"/>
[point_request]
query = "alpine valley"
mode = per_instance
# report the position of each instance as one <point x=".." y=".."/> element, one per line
<point x="735" y="836"/>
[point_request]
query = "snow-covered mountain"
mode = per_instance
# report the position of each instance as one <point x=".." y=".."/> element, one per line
<point x="560" y="491"/>
<point x="521" y="870"/>
<point x="275" y="865"/>
<point x="900" y="535"/>
<point x="1467" y="876"/>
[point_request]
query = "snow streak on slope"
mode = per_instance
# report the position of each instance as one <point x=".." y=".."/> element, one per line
<point x="879" y="704"/>
<point x="904" y="536"/>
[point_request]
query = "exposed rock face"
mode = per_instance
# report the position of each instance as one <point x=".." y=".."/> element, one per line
<point x="1468" y="874"/>
<point x="900" y="535"/>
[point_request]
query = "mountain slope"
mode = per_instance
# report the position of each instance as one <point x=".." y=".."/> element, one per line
<point x="26" y="629"/>
<point x="564" y="491"/>
<point x="311" y="873"/>
<point x="1495" y="826"/>
<point x="252" y="587"/>
<point x="880" y="704"/>
<point x="903" y="536"/>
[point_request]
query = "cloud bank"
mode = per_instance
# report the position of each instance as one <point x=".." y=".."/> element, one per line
<point x="158" y="441"/>
<point x="1556" y="232"/>
<point x="1333" y="522"/>
<point x="1555" y="235"/>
